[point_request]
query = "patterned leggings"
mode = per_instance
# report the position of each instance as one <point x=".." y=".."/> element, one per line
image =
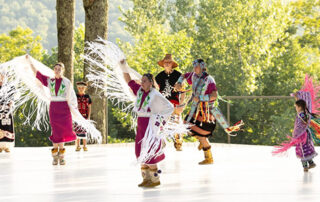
<point x="305" y="163"/>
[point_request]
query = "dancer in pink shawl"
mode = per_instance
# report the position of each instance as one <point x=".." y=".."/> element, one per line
<point x="306" y="104"/>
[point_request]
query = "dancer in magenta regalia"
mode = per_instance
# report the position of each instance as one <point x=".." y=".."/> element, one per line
<point x="153" y="111"/>
<point x="59" y="112"/>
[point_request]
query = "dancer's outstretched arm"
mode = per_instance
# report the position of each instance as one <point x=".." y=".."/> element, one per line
<point x="125" y="70"/>
<point x="31" y="65"/>
<point x="42" y="78"/>
<point x="179" y="85"/>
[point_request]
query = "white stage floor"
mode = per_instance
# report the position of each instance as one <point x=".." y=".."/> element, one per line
<point x="108" y="173"/>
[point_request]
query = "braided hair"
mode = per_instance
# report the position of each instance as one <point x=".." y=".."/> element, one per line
<point x="301" y="103"/>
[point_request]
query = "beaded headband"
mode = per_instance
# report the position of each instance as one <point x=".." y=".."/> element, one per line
<point x="199" y="62"/>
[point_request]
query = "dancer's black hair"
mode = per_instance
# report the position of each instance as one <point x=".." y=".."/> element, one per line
<point x="150" y="78"/>
<point x="301" y="103"/>
<point x="199" y="60"/>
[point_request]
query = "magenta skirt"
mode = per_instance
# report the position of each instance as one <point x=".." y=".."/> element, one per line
<point x="61" y="123"/>
<point x="141" y="129"/>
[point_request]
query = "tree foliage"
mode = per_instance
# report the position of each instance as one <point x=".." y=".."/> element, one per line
<point x="19" y="41"/>
<point x="252" y="47"/>
<point x="40" y="16"/>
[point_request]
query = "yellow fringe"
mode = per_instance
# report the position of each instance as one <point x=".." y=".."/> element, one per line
<point x="197" y="114"/>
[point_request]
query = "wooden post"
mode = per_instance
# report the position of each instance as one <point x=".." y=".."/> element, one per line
<point x="96" y="25"/>
<point x="107" y="123"/>
<point x="228" y="119"/>
<point x="65" y="27"/>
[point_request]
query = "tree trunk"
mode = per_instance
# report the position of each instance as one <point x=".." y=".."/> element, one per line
<point x="65" y="25"/>
<point x="96" y="24"/>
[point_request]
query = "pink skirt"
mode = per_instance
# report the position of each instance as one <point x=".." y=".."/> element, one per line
<point x="141" y="129"/>
<point x="61" y="123"/>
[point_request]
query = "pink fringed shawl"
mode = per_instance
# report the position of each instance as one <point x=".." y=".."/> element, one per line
<point x="299" y="135"/>
<point x="308" y="93"/>
<point x="313" y="103"/>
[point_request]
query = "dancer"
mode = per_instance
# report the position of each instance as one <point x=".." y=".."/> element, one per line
<point x="204" y="109"/>
<point x="306" y="127"/>
<point x="166" y="80"/>
<point x="304" y="150"/>
<point x="84" y="106"/>
<point x="6" y="120"/>
<point x="143" y="104"/>
<point x="203" y="96"/>
<point x="153" y="110"/>
<point x="54" y="96"/>
<point x="59" y="111"/>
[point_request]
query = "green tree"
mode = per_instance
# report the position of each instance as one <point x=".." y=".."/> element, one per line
<point x="40" y="16"/>
<point x="20" y="41"/>
<point x="234" y="37"/>
<point x="78" y="51"/>
<point x="143" y="15"/>
<point x="152" y="46"/>
<point x="307" y="19"/>
<point x="306" y="22"/>
<point x="251" y="48"/>
<point x="181" y="15"/>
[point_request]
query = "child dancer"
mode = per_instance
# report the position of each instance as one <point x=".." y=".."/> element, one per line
<point x="305" y="149"/>
<point x="306" y="127"/>
<point x="84" y="106"/>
